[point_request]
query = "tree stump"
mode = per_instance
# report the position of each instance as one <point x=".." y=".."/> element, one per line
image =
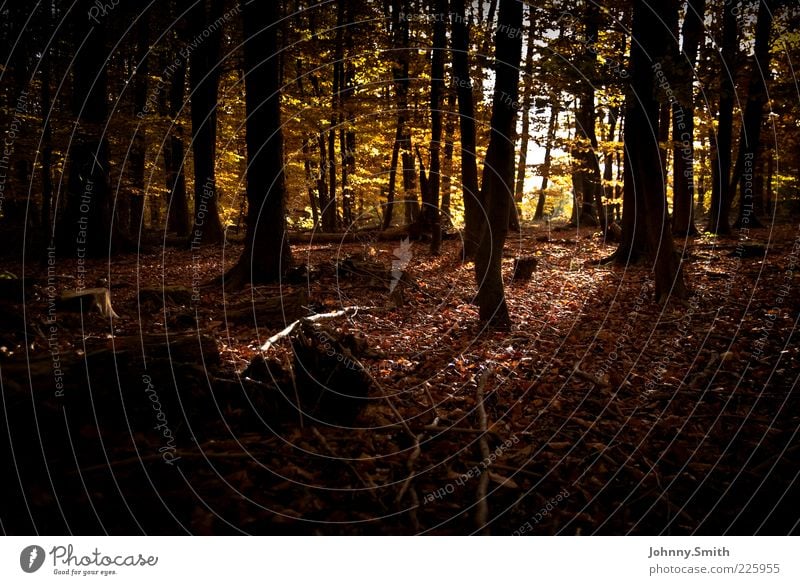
<point x="524" y="268"/>
<point x="82" y="301"/>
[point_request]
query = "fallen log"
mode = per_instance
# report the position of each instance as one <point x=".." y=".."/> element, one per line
<point x="270" y="312"/>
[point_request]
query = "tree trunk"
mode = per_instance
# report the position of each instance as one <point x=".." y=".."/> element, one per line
<point x="527" y="99"/>
<point x="400" y="32"/>
<point x="174" y="154"/>
<point x="645" y="191"/>
<point x="266" y="253"/>
<point x="552" y="129"/>
<point x="86" y="225"/>
<point x="718" y="218"/>
<point x="447" y="165"/>
<point x="683" y="124"/>
<point x="138" y="146"/>
<point x="437" y="89"/>
<point x="466" y="112"/>
<point x="205" y="72"/>
<point x="753" y="114"/>
<point x="498" y="169"/>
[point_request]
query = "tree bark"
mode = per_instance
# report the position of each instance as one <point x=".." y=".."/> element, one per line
<point x="86" y="225"/>
<point x="466" y="111"/>
<point x="718" y="218"/>
<point x="552" y="128"/>
<point x="527" y="99"/>
<point x="498" y="170"/>
<point x="747" y="160"/>
<point x="645" y="219"/>
<point x="204" y="76"/>
<point x="683" y="123"/>
<point x="266" y="253"/>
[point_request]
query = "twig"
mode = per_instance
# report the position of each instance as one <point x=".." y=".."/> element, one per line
<point x="482" y="513"/>
<point x="410" y="466"/>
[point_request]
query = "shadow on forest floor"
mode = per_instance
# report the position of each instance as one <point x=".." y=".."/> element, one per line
<point x="605" y="413"/>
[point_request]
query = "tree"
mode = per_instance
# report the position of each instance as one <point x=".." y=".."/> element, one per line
<point x="85" y="227"/>
<point x="466" y="112"/>
<point x="206" y="18"/>
<point x="266" y="252"/>
<point x="497" y="193"/>
<point x="527" y="102"/>
<point x="683" y="122"/>
<point x="645" y="222"/>
<point x="747" y="160"/>
<point x="718" y="217"/>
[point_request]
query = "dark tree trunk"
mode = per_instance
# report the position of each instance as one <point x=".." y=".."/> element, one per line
<point x="683" y="123"/>
<point x="400" y="32"/>
<point x="437" y="89"/>
<point x="266" y="253"/>
<point x="447" y="165"/>
<point x="86" y="225"/>
<point x="588" y="192"/>
<point x="47" y="139"/>
<point x="498" y="169"/>
<point x="552" y="128"/>
<point x="311" y="182"/>
<point x="205" y="72"/>
<point x="608" y="158"/>
<point x="645" y="219"/>
<point x="330" y="215"/>
<point x="128" y="222"/>
<point x="174" y="154"/>
<point x="747" y="160"/>
<point x="527" y="99"/>
<point x="466" y="112"/>
<point x="718" y="217"/>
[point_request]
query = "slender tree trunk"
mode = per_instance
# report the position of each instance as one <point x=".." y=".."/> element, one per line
<point x="552" y="128"/>
<point x="175" y="154"/>
<point x="753" y="118"/>
<point x="718" y="219"/>
<point x="683" y="124"/>
<point x="447" y="165"/>
<point x="266" y="254"/>
<point x="527" y="102"/>
<point x="311" y="182"/>
<point x="400" y="33"/>
<point x="129" y="222"/>
<point x="498" y="169"/>
<point x="205" y="72"/>
<point x="47" y="139"/>
<point x="437" y="89"/>
<point x="466" y="112"/>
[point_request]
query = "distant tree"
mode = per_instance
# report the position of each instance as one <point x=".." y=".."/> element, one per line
<point x="497" y="193"/>
<point x="266" y="253"/>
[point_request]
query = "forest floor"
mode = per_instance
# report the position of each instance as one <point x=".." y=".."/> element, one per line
<point x="604" y="412"/>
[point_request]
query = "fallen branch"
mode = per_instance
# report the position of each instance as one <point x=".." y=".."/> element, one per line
<point x="312" y="318"/>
